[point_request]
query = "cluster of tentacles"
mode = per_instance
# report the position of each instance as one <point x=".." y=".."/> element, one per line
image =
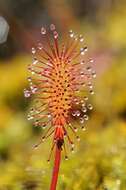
<point x="57" y="74"/>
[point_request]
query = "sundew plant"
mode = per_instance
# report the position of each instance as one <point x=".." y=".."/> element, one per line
<point x="58" y="73"/>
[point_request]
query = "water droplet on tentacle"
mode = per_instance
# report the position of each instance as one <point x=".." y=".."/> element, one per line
<point x="90" y="85"/>
<point x="89" y="106"/>
<point x="83" y="128"/>
<point x="83" y="104"/>
<point x="86" y="117"/>
<point x="78" y="138"/>
<point x="29" y="79"/>
<point x="43" y="31"/>
<point x="32" y="110"/>
<point x="81" y="120"/>
<point x="88" y="68"/>
<point x="74" y="113"/>
<point x="93" y="74"/>
<point x="84" y="109"/>
<point x="52" y="27"/>
<point x="55" y="34"/>
<point x="91" y="92"/>
<point x="72" y="145"/>
<point x="33" y="50"/>
<point x="49" y="115"/>
<point x="78" y="113"/>
<point x="36" y="123"/>
<point x="66" y="157"/>
<point x="71" y="33"/>
<point x="44" y="126"/>
<point x="35" y="61"/>
<point x="48" y="161"/>
<point x="40" y="46"/>
<point x="83" y="50"/>
<point x="75" y="37"/>
<point x="34" y="89"/>
<point x="72" y="150"/>
<point x="82" y="62"/>
<point x="30" y="117"/>
<point x="91" y="61"/>
<point x="81" y="38"/>
<point x="27" y="93"/>
<point x="85" y="98"/>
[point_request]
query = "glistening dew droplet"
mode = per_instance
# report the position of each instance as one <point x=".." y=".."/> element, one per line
<point x="91" y="61"/>
<point x="43" y="31"/>
<point x="40" y="46"/>
<point x="29" y="79"/>
<point x="94" y="74"/>
<point x="33" y="89"/>
<point x="81" y="120"/>
<point x="83" y="128"/>
<point x="89" y="106"/>
<point x="55" y="34"/>
<point x="88" y="68"/>
<point x="83" y="50"/>
<point x="86" y="117"/>
<point x="33" y="50"/>
<point x="85" y="98"/>
<point x="52" y="27"/>
<point x="84" y="109"/>
<point x="78" y="113"/>
<point x="35" y="62"/>
<point x="81" y="38"/>
<point x="71" y="33"/>
<point x="91" y="92"/>
<point x="27" y="93"/>
<point x="82" y="62"/>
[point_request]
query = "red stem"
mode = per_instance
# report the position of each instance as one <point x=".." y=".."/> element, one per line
<point x="56" y="168"/>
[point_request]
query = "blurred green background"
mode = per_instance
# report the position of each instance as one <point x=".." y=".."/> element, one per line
<point x="99" y="162"/>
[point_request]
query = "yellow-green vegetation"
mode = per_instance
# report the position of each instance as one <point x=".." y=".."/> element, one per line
<point x="99" y="161"/>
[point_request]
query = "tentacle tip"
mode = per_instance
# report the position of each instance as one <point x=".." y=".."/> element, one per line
<point x="48" y="161"/>
<point x="72" y="150"/>
<point x="35" y="146"/>
<point x="43" y="139"/>
<point x="66" y="157"/>
<point x="78" y="138"/>
<point x="83" y="128"/>
<point x="72" y="145"/>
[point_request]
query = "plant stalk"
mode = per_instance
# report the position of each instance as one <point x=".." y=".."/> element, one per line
<point x="56" y="168"/>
